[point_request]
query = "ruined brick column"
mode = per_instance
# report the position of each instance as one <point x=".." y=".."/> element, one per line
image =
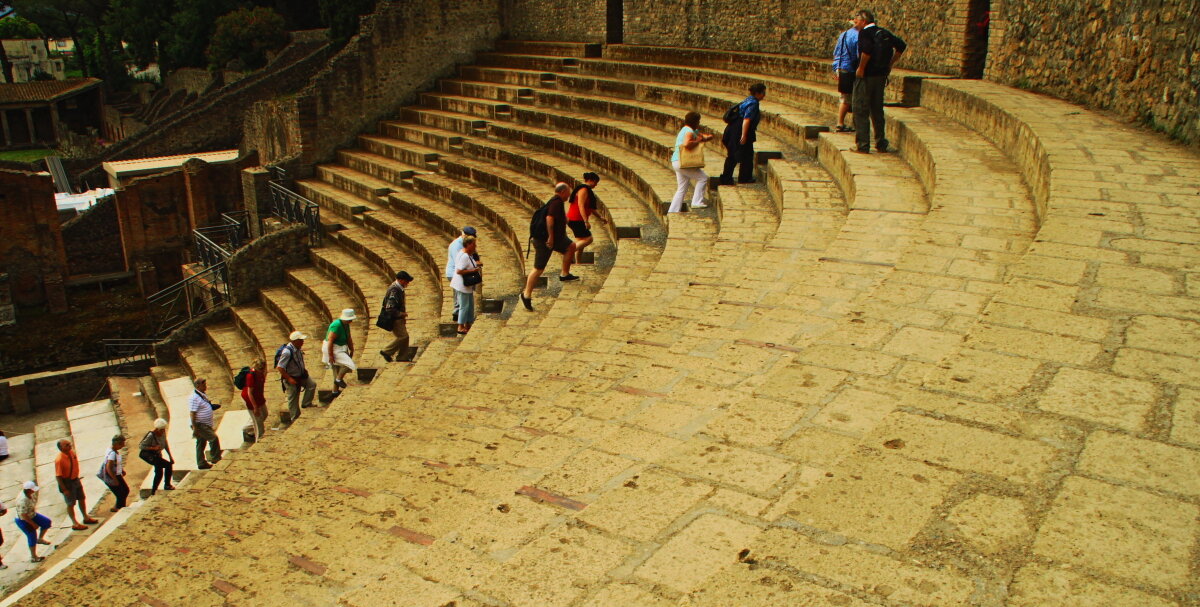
<point x="202" y="205"/>
<point x="256" y="196"/>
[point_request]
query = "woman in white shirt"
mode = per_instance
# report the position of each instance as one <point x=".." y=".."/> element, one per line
<point x="688" y="139"/>
<point x="466" y="270"/>
<point x="114" y="472"/>
<point x="3" y="446"/>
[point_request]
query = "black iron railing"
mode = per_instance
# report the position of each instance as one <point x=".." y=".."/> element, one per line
<point x="127" y="357"/>
<point x="240" y="221"/>
<point x="190" y="297"/>
<point x="294" y="208"/>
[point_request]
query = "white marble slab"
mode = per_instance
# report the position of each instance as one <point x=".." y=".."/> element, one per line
<point x="78" y="412"/>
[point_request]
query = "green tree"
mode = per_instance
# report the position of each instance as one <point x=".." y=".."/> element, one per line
<point x="191" y="29"/>
<point x="19" y="27"/>
<point x="245" y="36"/>
<point x="80" y="20"/>
<point x="143" y="26"/>
<point x="341" y="16"/>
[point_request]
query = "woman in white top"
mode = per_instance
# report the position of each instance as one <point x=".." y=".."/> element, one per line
<point x="114" y="472"/>
<point x="688" y="139"/>
<point x="464" y="294"/>
<point x="3" y="446"/>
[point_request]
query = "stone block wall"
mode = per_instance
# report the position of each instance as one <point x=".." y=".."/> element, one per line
<point x="564" y="21"/>
<point x="31" y="241"/>
<point x="152" y="213"/>
<point x="93" y="240"/>
<point x="401" y="49"/>
<point x="262" y="262"/>
<point x="1136" y="59"/>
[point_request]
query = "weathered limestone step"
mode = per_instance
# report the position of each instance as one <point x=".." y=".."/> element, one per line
<point x="339" y="282"/>
<point x="232" y="346"/>
<point x="448" y="121"/>
<point x="293" y="313"/>
<point x="871" y="182"/>
<point x="92" y="427"/>
<point x="263" y="329"/>
<point x="484" y="108"/>
<point x="562" y="49"/>
<point x="358" y="183"/>
<point x="408" y="157"/>
<point x="426" y="297"/>
<point x="426" y="135"/>
<point x="202" y="360"/>
<point x="336" y="200"/>
<point x="466" y="88"/>
<point x="527" y="62"/>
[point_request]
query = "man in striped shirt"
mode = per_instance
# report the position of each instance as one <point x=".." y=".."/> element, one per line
<point x="202" y="425"/>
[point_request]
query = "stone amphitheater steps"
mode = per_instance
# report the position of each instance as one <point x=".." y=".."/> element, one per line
<point x="202" y="360"/>
<point x="327" y="294"/>
<point x="264" y="329"/>
<point x="292" y="312"/>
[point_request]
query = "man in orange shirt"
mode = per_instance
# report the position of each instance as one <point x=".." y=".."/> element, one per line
<point x="66" y="469"/>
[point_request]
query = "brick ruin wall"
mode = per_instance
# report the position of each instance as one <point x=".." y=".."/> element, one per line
<point x="400" y="50"/>
<point x="1137" y="60"/>
<point x="93" y="240"/>
<point x="32" y="252"/>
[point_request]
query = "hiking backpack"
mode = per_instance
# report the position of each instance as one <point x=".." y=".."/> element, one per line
<point x="239" y="380"/>
<point x="537" y="225"/>
<point x="733" y="113"/>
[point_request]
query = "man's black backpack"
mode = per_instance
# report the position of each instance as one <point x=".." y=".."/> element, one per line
<point x="537" y="225"/>
<point x="239" y="380"/>
<point x="733" y="113"/>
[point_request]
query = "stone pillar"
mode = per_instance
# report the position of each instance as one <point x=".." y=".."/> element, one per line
<point x="19" y="393"/>
<point x="256" y="195"/>
<point x="147" y="278"/>
<point x="8" y="313"/>
<point x="4" y="127"/>
<point x="197" y="179"/>
<point x="29" y="122"/>
<point x="54" y="123"/>
<point x="56" y="292"/>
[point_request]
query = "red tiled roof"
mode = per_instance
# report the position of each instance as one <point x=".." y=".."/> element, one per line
<point x="45" y="90"/>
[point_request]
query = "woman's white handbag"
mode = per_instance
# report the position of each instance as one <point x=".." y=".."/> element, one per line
<point x="693" y="158"/>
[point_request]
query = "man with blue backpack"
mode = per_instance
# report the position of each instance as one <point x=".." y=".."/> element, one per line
<point x="289" y="361"/>
<point x="741" y="131"/>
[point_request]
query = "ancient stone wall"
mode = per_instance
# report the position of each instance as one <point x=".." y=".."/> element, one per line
<point x="93" y="240"/>
<point x="31" y="242"/>
<point x="401" y="49"/>
<point x="262" y="262"/>
<point x="566" y="21"/>
<point x="152" y="212"/>
<point x="1137" y="59"/>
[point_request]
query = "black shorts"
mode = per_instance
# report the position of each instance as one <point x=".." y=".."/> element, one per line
<point x="846" y="83"/>
<point x="579" y="228"/>
<point x="541" y="253"/>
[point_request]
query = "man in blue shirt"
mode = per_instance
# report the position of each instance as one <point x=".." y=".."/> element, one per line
<point x="878" y="51"/>
<point x="739" y="138"/>
<point x="845" y="62"/>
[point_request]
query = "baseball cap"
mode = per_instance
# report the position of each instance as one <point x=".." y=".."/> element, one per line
<point x="31" y="485"/>
<point x="469" y="231"/>
<point x="297" y="335"/>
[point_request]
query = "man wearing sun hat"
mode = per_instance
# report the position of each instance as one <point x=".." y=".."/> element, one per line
<point x="289" y="361"/>
<point x="337" y="350"/>
<point x="456" y="247"/>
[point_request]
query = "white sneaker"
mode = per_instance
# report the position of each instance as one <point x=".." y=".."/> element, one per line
<point x="700" y="206"/>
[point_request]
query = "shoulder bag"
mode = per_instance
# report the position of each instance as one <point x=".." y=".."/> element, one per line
<point x="693" y="158"/>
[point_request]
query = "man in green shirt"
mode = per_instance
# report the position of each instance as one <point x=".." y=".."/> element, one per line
<point x="338" y="350"/>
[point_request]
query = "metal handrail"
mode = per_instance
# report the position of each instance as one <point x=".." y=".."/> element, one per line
<point x="240" y="222"/>
<point x="294" y="208"/>
<point x="190" y="297"/>
<point x="121" y="356"/>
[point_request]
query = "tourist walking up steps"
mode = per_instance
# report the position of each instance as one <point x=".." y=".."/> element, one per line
<point x="580" y="210"/>
<point x="468" y="272"/>
<point x="688" y="162"/>
<point x="548" y="233"/>
<point x="289" y="361"/>
<point x="29" y="521"/>
<point x="151" y="451"/>
<point x="201" y="412"/>
<point x="456" y="247"/>
<point x="114" y="473"/>
<point x="878" y="50"/>
<point x="845" y="62"/>
<point x="740" y="135"/>
<point x="394" y="315"/>
<point x="254" y="394"/>
<point x="66" y="472"/>
<point x="337" y="350"/>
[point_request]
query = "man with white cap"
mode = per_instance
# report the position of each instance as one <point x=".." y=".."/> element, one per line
<point x="289" y="361"/>
<point x="28" y="520"/>
<point x="337" y="350"/>
<point x="456" y="247"/>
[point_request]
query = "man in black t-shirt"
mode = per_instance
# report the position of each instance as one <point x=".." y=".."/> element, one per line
<point x="556" y="241"/>
<point x="879" y="50"/>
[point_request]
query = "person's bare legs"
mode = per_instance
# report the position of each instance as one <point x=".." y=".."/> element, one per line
<point x="568" y="257"/>
<point x="531" y="282"/>
<point x="580" y="245"/>
<point x="843" y="109"/>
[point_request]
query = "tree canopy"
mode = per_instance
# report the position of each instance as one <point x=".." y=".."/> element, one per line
<point x="244" y="36"/>
<point x="19" y="27"/>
